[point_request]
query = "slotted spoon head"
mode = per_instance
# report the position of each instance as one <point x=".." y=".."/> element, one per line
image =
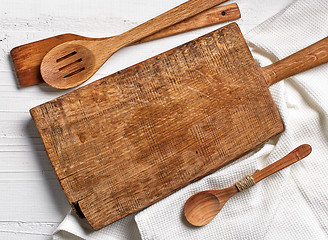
<point x="68" y="65"/>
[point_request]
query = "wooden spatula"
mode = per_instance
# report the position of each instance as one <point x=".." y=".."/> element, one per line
<point x="130" y="139"/>
<point x="27" y="58"/>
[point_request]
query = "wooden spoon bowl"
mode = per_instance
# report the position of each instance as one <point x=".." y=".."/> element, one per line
<point x="205" y="206"/>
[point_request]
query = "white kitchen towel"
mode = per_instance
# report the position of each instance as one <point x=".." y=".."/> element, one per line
<point x="292" y="204"/>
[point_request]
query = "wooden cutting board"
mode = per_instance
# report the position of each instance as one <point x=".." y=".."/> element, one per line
<point x="130" y="139"/>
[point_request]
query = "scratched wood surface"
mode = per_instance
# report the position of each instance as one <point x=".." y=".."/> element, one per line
<point x="128" y="140"/>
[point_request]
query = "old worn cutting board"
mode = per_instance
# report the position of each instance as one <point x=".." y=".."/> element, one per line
<point x="132" y="138"/>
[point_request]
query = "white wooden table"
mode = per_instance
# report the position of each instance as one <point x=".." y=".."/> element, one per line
<point x="32" y="203"/>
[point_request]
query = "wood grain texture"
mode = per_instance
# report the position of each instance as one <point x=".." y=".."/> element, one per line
<point x="294" y="156"/>
<point x="27" y="58"/>
<point x="207" y="18"/>
<point x="132" y="138"/>
<point x="307" y="58"/>
<point x="72" y="63"/>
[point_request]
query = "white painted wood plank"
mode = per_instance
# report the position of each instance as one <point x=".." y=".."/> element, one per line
<point x="26" y="230"/>
<point x="24" y="161"/>
<point x="20" y="145"/>
<point x="24" y="236"/>
<point x="31" y="197"/>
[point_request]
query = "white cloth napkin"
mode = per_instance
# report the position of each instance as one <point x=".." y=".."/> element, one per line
<point x="292" y="204"/>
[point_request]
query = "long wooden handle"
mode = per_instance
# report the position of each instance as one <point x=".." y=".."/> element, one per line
<point x="207" y="18"/>
<point x="294" y="156"/>
<point x="309" y="57"/>
<point x="171" y="17"/>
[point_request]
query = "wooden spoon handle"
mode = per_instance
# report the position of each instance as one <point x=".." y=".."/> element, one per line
<point x="207" y="18"/>
<point x="171" y="17"/>
<point x="305" y="59"/>
<point x="294" y="156"/>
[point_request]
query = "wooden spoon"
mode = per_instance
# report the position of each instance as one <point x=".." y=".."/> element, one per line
<point x="202" y="207"/>
<point x="74" y="62"/>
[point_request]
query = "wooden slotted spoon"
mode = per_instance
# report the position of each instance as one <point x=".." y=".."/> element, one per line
<point x="74" y="62"/>
<point x="203" y="206"/>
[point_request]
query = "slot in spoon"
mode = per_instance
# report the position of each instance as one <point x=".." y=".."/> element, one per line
<point x="203" y="206"/>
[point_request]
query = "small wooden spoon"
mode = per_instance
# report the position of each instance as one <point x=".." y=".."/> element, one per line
<point x="202" y="207"/>
<point x="74" y="62"/>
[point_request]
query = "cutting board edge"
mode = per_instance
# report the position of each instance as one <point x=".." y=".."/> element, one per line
<point x="74" y="205"/>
